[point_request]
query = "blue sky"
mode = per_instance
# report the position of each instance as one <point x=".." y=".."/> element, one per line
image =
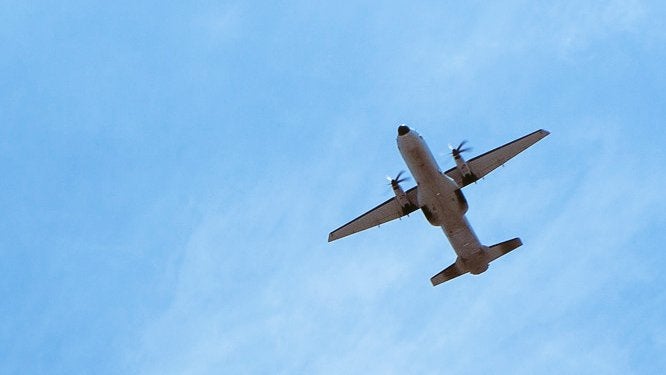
<point x="171" y="172"/>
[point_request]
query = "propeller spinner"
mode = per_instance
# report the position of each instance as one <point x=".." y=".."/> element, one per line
<point x="459" y="150"/>
<point x="394" y="182"/>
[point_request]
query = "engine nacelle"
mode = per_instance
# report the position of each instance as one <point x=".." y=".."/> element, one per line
<point x="402" y="198"/>
<point x="465" y="171"/>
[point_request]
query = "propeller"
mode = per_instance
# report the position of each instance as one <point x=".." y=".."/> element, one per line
<point x="459" y="150"/>
<point x="397" y="180"/>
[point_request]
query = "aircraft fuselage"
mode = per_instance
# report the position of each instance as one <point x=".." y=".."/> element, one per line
<point x="441" y="201"/>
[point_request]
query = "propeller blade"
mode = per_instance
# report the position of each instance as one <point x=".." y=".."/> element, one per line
<point x="397" y="178"/>
<point x="460" y="149"/>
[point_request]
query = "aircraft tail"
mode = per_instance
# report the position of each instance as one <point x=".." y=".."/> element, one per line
<point x="494" y="252"/>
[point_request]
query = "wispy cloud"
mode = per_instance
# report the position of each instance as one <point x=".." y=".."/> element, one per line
<point x="235" y="137"/>
<point x="322" y="308"/>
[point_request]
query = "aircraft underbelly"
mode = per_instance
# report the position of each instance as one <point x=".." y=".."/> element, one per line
<point x="440" y="204"/>
<point x="442" y="209"/>
<point x="462" y="237"/>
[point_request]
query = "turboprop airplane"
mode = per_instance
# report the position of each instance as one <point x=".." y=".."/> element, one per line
<point x="438" y="194"/>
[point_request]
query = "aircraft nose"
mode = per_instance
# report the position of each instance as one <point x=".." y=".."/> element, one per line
<point x="403" y="129"/>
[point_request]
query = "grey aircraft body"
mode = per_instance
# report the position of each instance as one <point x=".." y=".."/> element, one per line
<point x="439" y="196"/>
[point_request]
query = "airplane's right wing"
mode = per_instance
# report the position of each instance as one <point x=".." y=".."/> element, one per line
<point x="385" y="212"/>
<point x="486" y="163"/>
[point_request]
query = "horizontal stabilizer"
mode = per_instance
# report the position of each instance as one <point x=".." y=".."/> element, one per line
<point x="492" y="253"/>
<point x="502" y="248"/>
<point x="447" y="274"/>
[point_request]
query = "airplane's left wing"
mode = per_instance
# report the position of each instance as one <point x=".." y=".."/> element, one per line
<point x="385" y="212"/>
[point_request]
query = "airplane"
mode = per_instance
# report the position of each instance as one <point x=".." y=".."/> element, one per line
<point x="439" y="196"/>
